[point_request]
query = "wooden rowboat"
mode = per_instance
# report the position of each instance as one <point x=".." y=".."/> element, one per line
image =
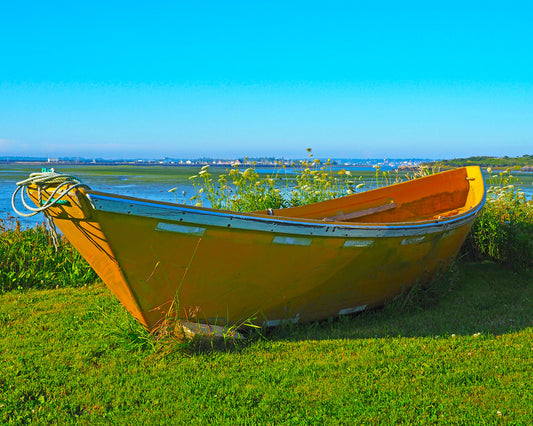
<point x="297" y="264"/>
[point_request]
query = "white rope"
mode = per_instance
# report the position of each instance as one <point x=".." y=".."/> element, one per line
<point x="43" y="180"/>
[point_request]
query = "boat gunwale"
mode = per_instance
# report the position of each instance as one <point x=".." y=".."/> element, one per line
<point x="286" y="220"/>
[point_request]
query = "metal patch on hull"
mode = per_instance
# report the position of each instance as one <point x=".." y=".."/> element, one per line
<point x="294" y="241"/>
<point x="180" y="229"/>
<point x="352" y="310"/>
<point x="275" y="323"/>
<point x="413" y="240"/>
<point x="358" y="243"/>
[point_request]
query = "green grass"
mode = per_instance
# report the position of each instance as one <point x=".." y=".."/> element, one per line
<point x="72" y="355"/>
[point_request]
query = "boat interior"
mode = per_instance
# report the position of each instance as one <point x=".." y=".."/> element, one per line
<point x="430" y="198"/>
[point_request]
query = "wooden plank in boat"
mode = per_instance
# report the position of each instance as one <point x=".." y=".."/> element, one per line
<point x="361" y="213"/>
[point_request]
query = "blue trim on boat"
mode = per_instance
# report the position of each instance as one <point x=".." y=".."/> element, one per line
<point x="283" y="220"/>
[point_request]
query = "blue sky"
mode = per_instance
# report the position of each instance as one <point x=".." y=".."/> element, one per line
<point x="187" y="79"/>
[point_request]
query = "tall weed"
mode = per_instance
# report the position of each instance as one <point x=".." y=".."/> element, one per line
<point x="237" y="190"/>
<point x="246" y="190"/>
<point x="316" y="182"/>
<point x="503" y="232"/>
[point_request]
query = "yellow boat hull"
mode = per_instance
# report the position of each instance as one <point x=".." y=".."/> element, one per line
<point x="299" y="264"/>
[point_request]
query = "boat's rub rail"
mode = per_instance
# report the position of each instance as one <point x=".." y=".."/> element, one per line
<point x="196" y="218"/>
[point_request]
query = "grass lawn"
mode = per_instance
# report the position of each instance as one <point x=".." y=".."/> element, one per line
<point x="460" y="353"/>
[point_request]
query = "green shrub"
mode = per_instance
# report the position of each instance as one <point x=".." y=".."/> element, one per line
<point x="311" y="182"/>
<point x="29" y="260"/>
<point x="247" y="191"/>
<point x="503" y="232"/>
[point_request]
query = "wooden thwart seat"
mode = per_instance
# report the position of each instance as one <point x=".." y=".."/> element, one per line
<point x="360" y="213"/>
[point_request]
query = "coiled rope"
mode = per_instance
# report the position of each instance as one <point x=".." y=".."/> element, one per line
<point x="43" y="180"/>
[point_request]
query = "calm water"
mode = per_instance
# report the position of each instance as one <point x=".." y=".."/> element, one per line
<point x="130" y="185"/>
<point x="140" y="185"/>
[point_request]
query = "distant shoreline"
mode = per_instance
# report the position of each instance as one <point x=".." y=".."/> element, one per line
<point x="515" y="164"/>
<point x="394" y="164"/>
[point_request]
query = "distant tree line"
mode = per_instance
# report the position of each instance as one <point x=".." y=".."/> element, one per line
<point x="484" y="161"/>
